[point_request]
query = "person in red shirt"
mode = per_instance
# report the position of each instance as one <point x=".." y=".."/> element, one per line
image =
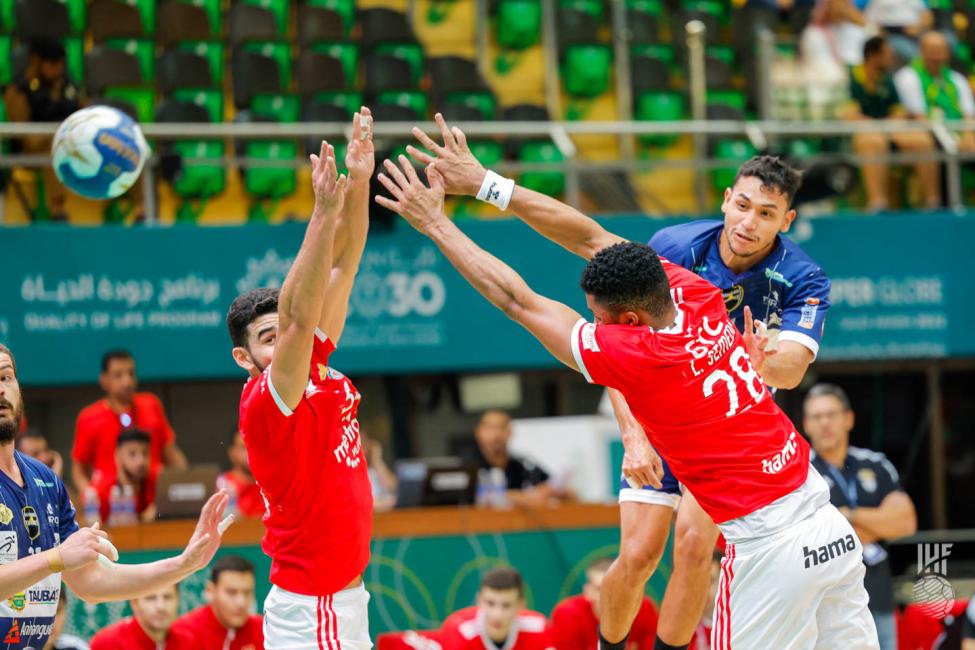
<point x="298" y="418"/>
<point x="128" y="496"/>
<point x="226" y="622"/>
<point x="575" y="620"/>
<point x="662" y="337"/>
<point x="499" y="619"/>
<point x="99" y="424"/>
<point x="240" y="481"/>
<point x="149" y="628"/>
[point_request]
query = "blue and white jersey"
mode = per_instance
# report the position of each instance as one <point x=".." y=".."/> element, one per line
<point x="787" y="289"/>
<point x="33" y="519"/>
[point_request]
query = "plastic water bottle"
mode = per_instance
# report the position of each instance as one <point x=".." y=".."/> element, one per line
<point x="483" y="487"/>
<point x="232" y="508"/>
<point x="498" y="491"/>
<point x="122" y="510"/>
<point x="91" y="512"/>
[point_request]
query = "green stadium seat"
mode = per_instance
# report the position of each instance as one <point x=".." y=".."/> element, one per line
<point x="269" y="183"/>
<point x="662" y="106"/>
<point x="349" y="100"/>
<point x="74" y="58"/>
<point x="198" y="180"/>
<point x="212" y="51"/>
<point x="652" y="7"/>
<point x="344" y="8"/>
<point x="665" y="53"/>
<point x="6" y="65"/>
<point x="143" y="100"/>
<point x="211" y="100"/>
<point x="734" y="151"/>
<point x="586" y="71"/>
<point x="414" y="100"/>
<point x="346" y="53"/>
<point x="724" y="53"/>
<point x="143" y="50"/>
<point x="276" y="107"/>
<point x="147" y="8"/>
<point x="214" y="18"/>
<point x="277" y="7"/>
<point x="6" y="16"/>
<point x="483" y="101"/>
<point x="77" y="14"/>
<point x="412" y="53"/>
<point x="551" y="183"/>
<point x="592" y="7"/>
<point x="733" y="98"/>
<point x="714" y="8"/>
<point x="804" y="147"/>
<point x="488" y="152"/>
<point x="280" y="52"/>
<point x="519" y="23"/>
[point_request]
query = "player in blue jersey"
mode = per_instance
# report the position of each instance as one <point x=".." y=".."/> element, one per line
<point x="41" y="543"/>
<point x="762" y="275"/>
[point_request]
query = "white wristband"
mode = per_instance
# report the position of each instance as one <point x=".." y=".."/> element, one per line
<point x="496" y="190"/>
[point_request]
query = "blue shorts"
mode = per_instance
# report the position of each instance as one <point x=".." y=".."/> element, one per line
<point x="666" y="495"/>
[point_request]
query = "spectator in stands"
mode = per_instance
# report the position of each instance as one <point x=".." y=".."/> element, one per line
<point x="99" y="424"/>
<point x="58" y="641"/>
<point x="384" y="481"/>
<point x="499" y="617"/>
<point x="903" y="21"/>
<point x="239" y="481"/>
<point x="928" y="87"/>
<point x="43" y="94"/>
<point x="575" y="620"/>
<point x="528" y="484"/>
<point x="130" y="495"/>
<point x="149" y="627"/>
<point x="875" y="97"/>
<point x="831" y="41"/>
<point x="33" y="443"/>
<point x="702" y="635"/>
<point x="866" y="488"/>
<point x="227" y="621"/>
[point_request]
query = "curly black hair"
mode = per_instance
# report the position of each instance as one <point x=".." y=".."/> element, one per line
<point x="247" y="307"/>
<point x="628" y="276"/>
<point x="773" y="173"/>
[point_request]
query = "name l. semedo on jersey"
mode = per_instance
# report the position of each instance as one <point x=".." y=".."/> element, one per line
<point x="827" y="552"/>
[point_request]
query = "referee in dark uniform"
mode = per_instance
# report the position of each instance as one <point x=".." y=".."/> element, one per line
<point x="866" y="488"/>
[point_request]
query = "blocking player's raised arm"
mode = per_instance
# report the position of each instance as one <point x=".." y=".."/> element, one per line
<point x="464" y="175"/>
<point x="350" y="240"/>
<point x="303" y="293"/>
<point x="549" y="321"/>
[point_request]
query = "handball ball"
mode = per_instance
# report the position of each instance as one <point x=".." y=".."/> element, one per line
<point x="99" y="152"/>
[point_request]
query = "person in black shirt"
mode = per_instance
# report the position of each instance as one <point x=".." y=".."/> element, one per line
<point x="968" y="627"/>
<point x="866" y="488"/>
<point x="528" y="484"/>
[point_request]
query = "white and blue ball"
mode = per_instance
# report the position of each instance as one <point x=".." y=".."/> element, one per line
<point x="98" y="152"/>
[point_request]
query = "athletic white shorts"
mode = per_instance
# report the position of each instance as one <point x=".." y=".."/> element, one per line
<point x="336" y="622"/>
<point x="798" y="589"/>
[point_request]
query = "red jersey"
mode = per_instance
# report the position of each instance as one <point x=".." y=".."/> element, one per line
<point x="127" y="634"/>
<point x="702" y="405"/>
<point x="250" y="503"/>
<point x="312" y="471"/>
<point x="144" y="498"/>
<point x="702" y="638"/>
<point x="202" y="624"/>
<point x="464" y="630"/>
<point x="576" y="627"/>
<point x="98" y="426"/>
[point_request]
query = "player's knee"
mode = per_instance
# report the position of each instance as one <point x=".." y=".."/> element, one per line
<point x="693" y="546"/>
<point x="639" y="560"/>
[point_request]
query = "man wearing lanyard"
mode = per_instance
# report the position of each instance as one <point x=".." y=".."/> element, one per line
<point x="865" y="487"/>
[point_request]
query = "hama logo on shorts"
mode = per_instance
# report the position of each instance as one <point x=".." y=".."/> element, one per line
<point x="816" y="556"/>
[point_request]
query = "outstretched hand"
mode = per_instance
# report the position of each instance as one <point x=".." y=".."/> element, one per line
<point x="420" y="205"/>
<point x="756" y="340"/>
<point x="461" y="172"/>
<point x="208" y="533"/>
<point x="360" y="157"/>
<point x="329" y="188"/>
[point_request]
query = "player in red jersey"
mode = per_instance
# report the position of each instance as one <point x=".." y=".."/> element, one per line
<point x="575" y="620"/>
<point x="149" y="628"/>
<point x="793" y="575"/>
<point x="226" y="621"/>
<point x="298" y="418"/>
<point x="499" y="619"/>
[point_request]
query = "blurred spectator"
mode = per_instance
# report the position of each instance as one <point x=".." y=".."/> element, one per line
<point x="43" y="94"/>
<point x="903" y="20"/>
<point x="384" y="481"/>
<point x="240" y="482"/>
<point x="498" y="618"/>
<point x="58" y="641"/>
<point x="575" y="620"/>
<point x="33" y="443"/>
<point x="149" y="627"/>
<point x="866" y="488"/>
<point x="702" y="635"/>
<point x="130" y="495"/>
<point x="968" y="627"/>
<point x="875" y="97"/>
<point x="832" y="41"/>
<point x="528" y="484"/>
<point x="928" y="87"/>
<point x="99" y="424"/>
<point x="227" y="622"/>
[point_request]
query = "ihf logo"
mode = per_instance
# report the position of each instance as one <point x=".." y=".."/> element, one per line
<point x="933" y="592"/>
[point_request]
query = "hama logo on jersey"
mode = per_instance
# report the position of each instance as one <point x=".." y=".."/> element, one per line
<point x="776" y="463"/>
<point x="733" y="297"/>
<point x="31" y="522"/>
<point x="6" y="514"/>
<point x="826" y="552"/>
